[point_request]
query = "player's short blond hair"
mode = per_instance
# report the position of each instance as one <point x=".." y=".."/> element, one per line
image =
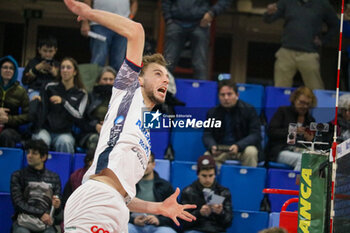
<point x="154" y="58"/>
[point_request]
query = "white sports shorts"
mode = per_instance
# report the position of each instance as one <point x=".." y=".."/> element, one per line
<point x="96" y="207"/>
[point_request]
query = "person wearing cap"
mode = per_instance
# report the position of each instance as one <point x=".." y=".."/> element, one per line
<point x="211" y="215"/>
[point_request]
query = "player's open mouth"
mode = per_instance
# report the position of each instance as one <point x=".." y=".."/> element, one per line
<point x="162" y="90"/>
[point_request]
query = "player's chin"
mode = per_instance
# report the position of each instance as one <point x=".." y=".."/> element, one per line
<point x="160" y="98"/>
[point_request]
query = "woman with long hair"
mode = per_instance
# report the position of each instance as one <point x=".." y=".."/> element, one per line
<point x="61" y="104"/>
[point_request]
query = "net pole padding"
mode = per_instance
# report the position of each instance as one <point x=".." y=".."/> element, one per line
<point x="334" y="144"/>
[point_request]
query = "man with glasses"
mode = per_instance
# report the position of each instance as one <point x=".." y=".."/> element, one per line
<point x="14" y="103"/>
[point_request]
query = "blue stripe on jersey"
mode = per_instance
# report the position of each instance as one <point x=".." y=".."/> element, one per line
<point x="126" y="80"/>
<point x="103" y="158"/>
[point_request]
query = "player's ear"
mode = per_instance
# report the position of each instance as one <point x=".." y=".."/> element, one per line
<point x="141" y="81"/>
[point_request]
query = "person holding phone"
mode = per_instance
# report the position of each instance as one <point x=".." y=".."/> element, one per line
<point x="43" y="68"/>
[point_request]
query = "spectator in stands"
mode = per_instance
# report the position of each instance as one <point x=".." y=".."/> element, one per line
<point x="298" y="113"/>
<point x="211" y="217"/>
<point x="239" y="135"/>
<point x="190" y="20"/>
<point x="43" y="68"/>
<point x="301" y="39"/>
<point x="274" y="230"/>
<point x="35" y="192"/>
<point x="97" y="108"/>
<point x="61" y="104"/>
<point x="151" y="188"/>
<point x="115" y="45"/>
<point x="14" y="103"/>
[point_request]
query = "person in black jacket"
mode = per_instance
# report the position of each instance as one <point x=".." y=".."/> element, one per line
<point x="151" y="188"/>
<point x="35" y="190"/>
<point x="211" y="217"/>
<point x="239" y="135"/>
<point x="190" y="20"/>
<point x="43" y="68"/>
<point x="298" y="113"/>
<point x="59" y="106"/>
<point x="97" y="108"/>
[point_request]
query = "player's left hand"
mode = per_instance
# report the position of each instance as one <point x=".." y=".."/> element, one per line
<point x="171" y="209"/>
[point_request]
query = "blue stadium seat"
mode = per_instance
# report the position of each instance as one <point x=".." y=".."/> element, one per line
<point x="188" y="145"/>
<point x="325" y="109"/>
<point x="61" y="164"/>
<point x="278" y="165"/>
<point x="281" y="179"/>
<point x="274" y="98"/>
<point x="196" y="93"/>
<point x="252" y="94"/>
<point x="246" y="185"/>
<point x="78" y="161"/>
<point x="248" y="221"/>
<point x="11" y="160"/>
<point x="183" y="173"/>
<point x="163" y="168"/>
<point x="274" y="219"/>
<point x="6" y="211"/>
<point x="160" y="141"/>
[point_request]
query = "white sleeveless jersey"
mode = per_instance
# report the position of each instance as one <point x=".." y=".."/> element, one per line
<point x="124" y="145"/>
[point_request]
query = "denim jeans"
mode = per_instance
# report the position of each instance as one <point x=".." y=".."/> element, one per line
<point x="175" y="38"/>
<point x="19" y="229"/>
<point x="63" y="142"/>
<point x="149" y="229"/>
<point x="114" y="47"/>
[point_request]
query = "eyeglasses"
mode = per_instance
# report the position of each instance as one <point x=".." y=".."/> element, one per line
<point x="8" y="67"/>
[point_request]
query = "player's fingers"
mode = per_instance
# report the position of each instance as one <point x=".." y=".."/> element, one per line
<point x="189" y="206"/>
<point x="176" y="193"/>
<point x="187" y="216"/>
<point x="175" y="221"/>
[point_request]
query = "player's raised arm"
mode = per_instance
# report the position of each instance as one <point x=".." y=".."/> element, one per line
<point x="131" y="30"/>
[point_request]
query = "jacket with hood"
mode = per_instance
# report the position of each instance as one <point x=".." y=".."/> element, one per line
<point x="14" y="97"/>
